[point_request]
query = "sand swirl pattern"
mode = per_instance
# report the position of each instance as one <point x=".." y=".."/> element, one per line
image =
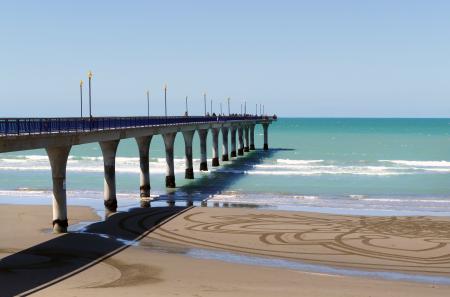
<point x="411" y="244"/>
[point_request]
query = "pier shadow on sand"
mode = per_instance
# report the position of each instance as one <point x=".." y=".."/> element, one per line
<point x="47" y="263"/>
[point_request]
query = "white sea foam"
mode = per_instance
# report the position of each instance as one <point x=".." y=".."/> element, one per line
<point x="437" y="169"/>
<point x="408" y="200"/>
<point x="88" y="164"/>
<point x="357" y="196"/>
<point x="339" y="171"/>
<point x="298" y="162"/>
<point x="419" y="163"/>
<point x="281" y="167"/>
<point x="305" y="197"/>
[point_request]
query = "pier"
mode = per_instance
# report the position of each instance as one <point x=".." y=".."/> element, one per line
<point x="58" y="135"/>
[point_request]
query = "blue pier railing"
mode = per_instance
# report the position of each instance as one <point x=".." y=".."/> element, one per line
<point x="28" y="126"/>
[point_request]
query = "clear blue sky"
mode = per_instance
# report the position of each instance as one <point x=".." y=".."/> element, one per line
<point x="299" y="58"/>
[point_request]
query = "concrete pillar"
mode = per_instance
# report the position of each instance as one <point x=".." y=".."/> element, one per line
<point x="145" y="203"/>
<point x="169" y="139"/>
<point x="246" y="134"/>
<point x="189" y="172"/>
<point x="233" y="142"/>
<point x="252" y="137"/>
<point x="225" y="144"/>
<point x="109" y="149"/>
<point x="58" y="161"/>
<point x="203" y="134"/>
<point x="144" y="147"/>
<point x="241" y="142"/>
<point x="266" y="137"/>
<point x="215" y="147"/>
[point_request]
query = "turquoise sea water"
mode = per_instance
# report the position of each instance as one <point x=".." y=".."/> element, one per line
<point x="344" y="165"/>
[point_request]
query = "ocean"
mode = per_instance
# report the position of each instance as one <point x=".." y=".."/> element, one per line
<point x="349" y="166"/>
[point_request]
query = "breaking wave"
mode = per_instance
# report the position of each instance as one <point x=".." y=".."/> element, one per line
<point x="282" y="167"/>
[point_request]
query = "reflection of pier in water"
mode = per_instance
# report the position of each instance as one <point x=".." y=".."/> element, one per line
<point x="218" y="181"/>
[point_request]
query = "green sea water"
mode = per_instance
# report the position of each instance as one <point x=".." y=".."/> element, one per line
<point x="348" y="164"/>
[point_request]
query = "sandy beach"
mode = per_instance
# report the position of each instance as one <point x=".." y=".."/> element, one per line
<point x="160" y="262"/>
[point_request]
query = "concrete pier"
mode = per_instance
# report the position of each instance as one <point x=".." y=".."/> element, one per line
<point x="252" y="137"/>
<point x="203" y="134"/>
<point x="247" y="144"/>
<point x="233" y="142"/>
<point x="58" y="135"/>
<point x="169" y="140"/>
<point x="215" y="147"/>
<point x="109" y="149"/>
<point x="143" y="143"/>
<point x="225" y="144"/>
<point x="58" y="161"/>
<point x="189" y="171"/>
<point x="266" y="136"/>
<point x="241" y="142"/>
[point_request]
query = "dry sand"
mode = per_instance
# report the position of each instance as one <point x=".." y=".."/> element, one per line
<point x="416" y="244"/>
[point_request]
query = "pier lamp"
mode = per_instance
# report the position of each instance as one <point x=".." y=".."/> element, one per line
<point x="245" y="107"/>
<point x="81" y="98"/>
<point x="148" y="103"/>
<point x="211" y="107"/>
<point x="228" y="99"/>
<point x="165" y="101"/>
<point x="204" y="100"/>
<point x="187" y="106"/>
<point x="90" y="75"/>
<point x="241" y="108"/>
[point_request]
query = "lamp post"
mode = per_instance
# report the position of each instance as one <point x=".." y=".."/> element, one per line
<point x="186" y="106"/>
<point x="148" y="104"/>
<point x="81" y="98"/>
<point x="264" y="113"/>
<point x="204" y="99"/>
<point x="165" y="101"/>
<point x="245" y="107"/>
<point x="256" y="105"/>
<point x="228" y="106"/>
<point x="90" y="75"/>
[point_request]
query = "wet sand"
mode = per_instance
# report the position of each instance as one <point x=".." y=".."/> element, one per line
<point x="400" y="244"/>
<point x="158" y="266"/>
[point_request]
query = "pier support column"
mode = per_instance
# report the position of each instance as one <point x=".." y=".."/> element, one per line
<point x="189" y="172"/>
<point x="246" y="134"/>
<point x="241" y="142"/>
<point x="109" y="149"/>
<point x="215" y="147"/>
<point x="169" y="139"/>
<point x="58" y="161"/>
<point x="266" y="137"/>
<point x="144" y="147"/>
<point x="203" y="134"/>
<point x="252" y="137"/>
<point x="233" y="142"/>
<point x="225" y="144"/>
